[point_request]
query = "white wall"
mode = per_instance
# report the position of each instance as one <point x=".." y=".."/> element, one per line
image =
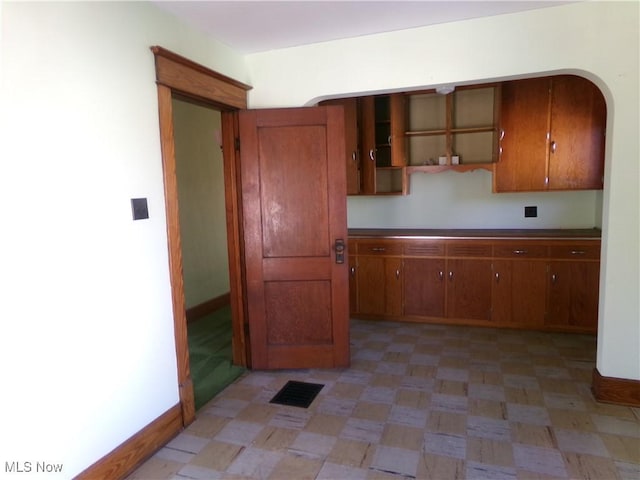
<point x="596" y="39"/>
<point x="203" y="229"/>
<point x="87" y="347"/>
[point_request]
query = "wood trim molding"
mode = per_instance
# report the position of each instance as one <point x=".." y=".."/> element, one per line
<point x="125" y="458"/>
<point x="192" y="79"/>
<point x="177" y="76"/>
<point x="615" y="390"/>
<point x="210" y="306"/>
<point x="185" y="384"/>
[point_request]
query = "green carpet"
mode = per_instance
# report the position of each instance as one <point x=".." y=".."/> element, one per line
<point x="210" y="355"/>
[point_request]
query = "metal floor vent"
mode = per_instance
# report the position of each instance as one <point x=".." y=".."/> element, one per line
<point x="297" y="394"/>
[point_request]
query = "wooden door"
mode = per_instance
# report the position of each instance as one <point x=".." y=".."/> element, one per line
<point x="293" y="195"/>
<point x="578" y="120"/>
<point x="424" y="286"/>
<point x="524" y="123"/>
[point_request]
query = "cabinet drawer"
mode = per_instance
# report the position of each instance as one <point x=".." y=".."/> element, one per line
<point x="575" y="251"/>
<point x="469" y="249"/>
<point x="520" y="250"/>
<point x="379" y="247"/>
<point x="424" y="248"/>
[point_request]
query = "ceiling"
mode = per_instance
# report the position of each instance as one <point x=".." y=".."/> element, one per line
<point x="257" y="26"/>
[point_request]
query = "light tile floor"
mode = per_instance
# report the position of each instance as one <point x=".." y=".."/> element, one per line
<point x="419" y="401"/>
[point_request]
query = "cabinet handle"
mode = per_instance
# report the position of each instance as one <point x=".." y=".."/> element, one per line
<point x="553" y="147"/>
<point x="578" y="252"/>
<point x="371" y="155"/>
<point x="378" y="249"/>
<point x="520" y="252"/>
<point x="389" y="139"/>
<point x="398" y="274"/>
<point x="450" y="276"/>
<point x="441" y="275"/>
<point x="353" y="155"/>
<point x="497" y="277"/>
<point x="353" y="271"/>
<point x="554" y="278"/>
<point x="501" y="134"/>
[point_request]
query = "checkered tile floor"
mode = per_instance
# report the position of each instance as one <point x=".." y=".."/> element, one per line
<point x="419" y="401"/>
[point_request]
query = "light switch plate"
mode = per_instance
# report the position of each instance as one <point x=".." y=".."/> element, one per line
<point x="139" y="208"/>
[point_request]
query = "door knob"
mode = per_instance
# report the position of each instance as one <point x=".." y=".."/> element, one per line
<point x="339" y="247"/>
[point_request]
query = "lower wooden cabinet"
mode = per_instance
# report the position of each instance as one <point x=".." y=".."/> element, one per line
<point x="424" y="287"/>
<point x="519" y="283"/>
<point x="573" y="294"/>
<point x="538" y="284"/>
<point x="468" y="282"/>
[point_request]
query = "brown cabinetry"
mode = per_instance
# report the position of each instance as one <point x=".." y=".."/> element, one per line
<point x="573" y="286"/>
<point x="527" y="283"/>
<point x="552" y="135"/>
<point x="519" y="283"/>
<point x="424" y="278"/>
<point x="379" y="278"/>
<point x="382" y="141"/>
<point x="457" y="130"/>
<point x="469" y="280"/>
<point x="352" y="150"/>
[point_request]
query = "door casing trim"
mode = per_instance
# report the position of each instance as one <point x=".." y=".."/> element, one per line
<point x="179" y="76"/>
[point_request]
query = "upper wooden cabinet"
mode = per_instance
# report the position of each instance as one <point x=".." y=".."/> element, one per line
<point x="552" y="135"/>
<point x="382" y="143"/>
<point x="457" y="130"/>
<point x="536" y="134"/>
<point x="352" y="150"/>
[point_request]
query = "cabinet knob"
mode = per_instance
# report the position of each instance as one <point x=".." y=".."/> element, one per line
<point x="554" y="278"/>
<point x="441" y="275"/>
<point x="398" y="274"/>
<point x="553" y="147"/>
<point x="353" y="155"/>
<point x="450" y="275"/>
<point x="353" y="271"/>
<point x="497" y="277"/>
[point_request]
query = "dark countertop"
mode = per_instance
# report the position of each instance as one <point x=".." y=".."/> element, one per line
<point x="572" y="233"/>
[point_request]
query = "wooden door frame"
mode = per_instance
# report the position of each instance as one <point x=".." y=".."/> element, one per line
<point x="179" y="76"/>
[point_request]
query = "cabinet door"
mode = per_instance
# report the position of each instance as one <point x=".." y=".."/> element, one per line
<point x="519" y="292"/>
<point x="524" y="120"/>
<point x="382" y="144"/>
<point x="423" y="286"/>
<point x="573" y="294"/>
<point x="469" y="289"/>
<point x="368" y="144"/>
<point x="352" y="154"/>
<point x="353" y="285"/>
<point x="578" y="119"/>
<point x="379" y="285"/>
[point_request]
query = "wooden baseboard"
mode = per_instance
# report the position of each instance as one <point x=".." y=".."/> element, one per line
<point x="129" y="455"/>
<point x="210" y="306"/>
<point x="615" y="390"/>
